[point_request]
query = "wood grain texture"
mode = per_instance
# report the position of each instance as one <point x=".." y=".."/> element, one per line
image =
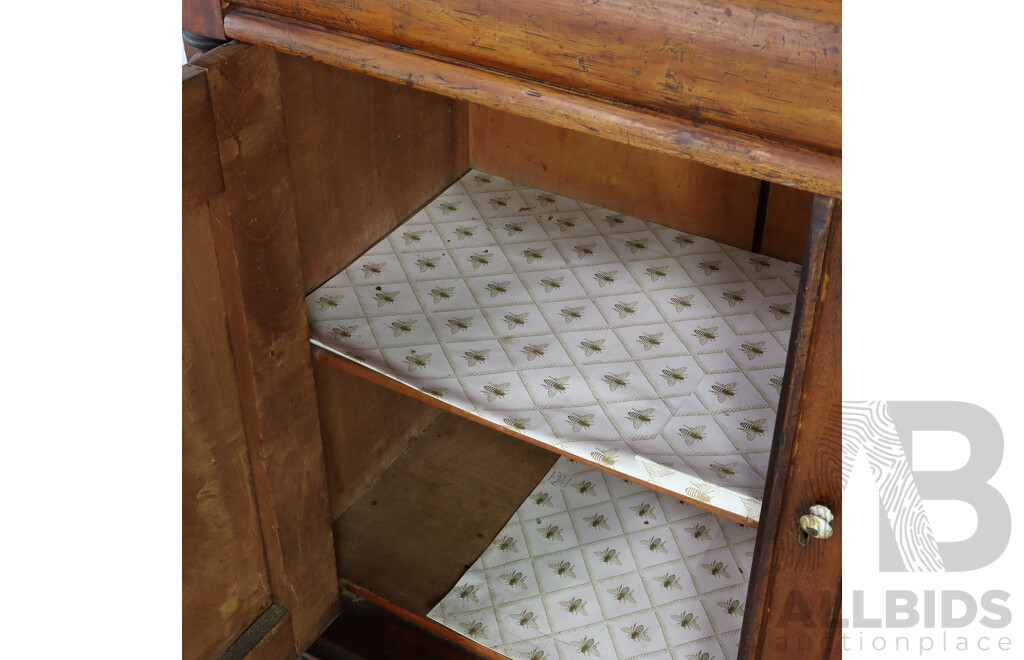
<point x="365" y="427"/>
<point x="202" y="17"/>
<point x="258" y="254"/>
<point x="429" y="517"/>
<point x="363" y="156"/>
<point x="223" y="570"/>
<point x="711" y="144"/>
<point x="200" y="161"/>
<point x="794" y="592"/>
<point x="676" y="192"/>
<point x="763" y="67"/>
<point x="785" y="231"/>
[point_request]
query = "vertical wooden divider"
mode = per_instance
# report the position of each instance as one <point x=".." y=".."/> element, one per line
<point x="258" y="255"/>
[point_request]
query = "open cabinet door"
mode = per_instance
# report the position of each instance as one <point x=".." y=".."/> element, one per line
<point x="258" y="564"/>
<point x="795" y="591"/>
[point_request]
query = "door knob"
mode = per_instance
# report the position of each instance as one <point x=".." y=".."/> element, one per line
<point x="816" y="524"/>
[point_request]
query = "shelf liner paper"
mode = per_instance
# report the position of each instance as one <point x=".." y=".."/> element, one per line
<point x="593" y="566"/>
<point x="651" y="351"/>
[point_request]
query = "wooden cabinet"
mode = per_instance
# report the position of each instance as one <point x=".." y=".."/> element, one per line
<point x="304" y="149"/>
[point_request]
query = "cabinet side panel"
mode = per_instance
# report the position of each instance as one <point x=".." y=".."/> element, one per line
<point x="786" y="221"/>
<point x="223" y="570"/>
<point x="654" y="186"/>
<point x="364" y="155"/>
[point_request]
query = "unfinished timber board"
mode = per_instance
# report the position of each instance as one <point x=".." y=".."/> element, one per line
<point x="650" y="351"/>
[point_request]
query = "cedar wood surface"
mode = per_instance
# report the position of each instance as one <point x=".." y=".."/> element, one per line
<point x="711" y="144"/>
<point x="794" y="593"/>
<point x="785" y="229"/>
<point x="202" y="17"/>
<point x="257" y="250"/>
<point x="770" y="67"/>
<point x="223" y="568"/>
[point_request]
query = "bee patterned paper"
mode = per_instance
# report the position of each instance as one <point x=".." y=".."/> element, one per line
<point x="593" y="566"/>
<point x="646" y="350"/>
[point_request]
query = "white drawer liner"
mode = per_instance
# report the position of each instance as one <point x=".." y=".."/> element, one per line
<point x="592" y="566"/>
<point x="654" y="352"/>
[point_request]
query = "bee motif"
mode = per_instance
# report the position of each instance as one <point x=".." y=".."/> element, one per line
<point x="525" y="619"/>
<point x="479" y="260"/>
<point x="669" y="581"/>
<point x="760" y="263"/>
<point x="386" y="297"/>
<point x="604" y="278"/>
<point x="551" y="532"/>
<point x="753" y="507"/>
<point x="440" y="293"/>
<point x="732" y="607"/>
<point x="686" y="620"/>
<point x="796" y="271"/>
<point x="457" y="324"/>
<point x="542" y="499"/>
<point x="498" y="203"/>
<point x="650" y="340"/>
<point x="570" y="314"/>
<point x="516" y="423"/>
<point x="700" y="532"/>
<point x="373" y="268"/>
<point x="625" y="308"/>
<point x="476" y="355"/>
<point x="717" y="569"/>
<point x="498" y="288"/>
<point x="475" y="629"/>
<point x="752" y="349"/>
<point x="506" y="544"/>
<point x="637" y="632"/>
<point x="684" y="240"/>
<point x="609" y="556"/>
<point x="533" y="254"/>
<point x="587" y="646"/>
<point x="622" y="594"/>
<point x="674" y="375"/>
<point x="606" y="457"/>
<point x="585" y="488"/>
<point x="514" y="228"/>
<point x="427" y="263"/>
<point x="496" y="391"/>
<point x="591" y="346"/>
<point x="515" y="320"/>
<point x="412" y="237"/>
<point x="753" y="428"/>
<point x="515" y="579"/>
<point x="776" y="382"/>
<point x="692" y="434"/>
<point x="579" y="422"/>
<point x="344" y="331"/>
<point x="534" y="351"/>
<point x="706" y="334"/>
<point x="644" y="510"/>
<point x="682" y="302"/>
<point x="583" y="251"/>
<point x="414" y="361"/>
<point x="656" y="272"/>
<point x="562" y="568"/>
<point x="655" y="545"/>
<point x="328" y="301"/>
<point x="700" y="655"/>
<point x="701" y="491"/>
<point x="482" y="179"/>
<point x="401" y="327"/>
<point x="724" y="470"/>
<point x="555" y="385"/>
<point x="640" y="417"/>
<point x="733" y="297"/>
<point x="464" y="232"/>
<point x="449" y="207"/>
<point x="637" y="244"/>
<point x="433" y="391"/>
<point x="552" y="283"/>
<point x="565" y="224"/>
<point x="615" y="381"/>
<point x="781" y="311"/>
<point x="467" y="592"/>
<point x="597" y="520"/>
<point x="614" y="220"/>
<point x="723" y="392"/>
<point x="574" y="606"/>
<point x="546" y="199"/>
<point x="710" y="267"/>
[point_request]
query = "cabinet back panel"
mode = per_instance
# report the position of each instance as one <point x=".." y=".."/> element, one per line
<point x="785" y="227"/>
